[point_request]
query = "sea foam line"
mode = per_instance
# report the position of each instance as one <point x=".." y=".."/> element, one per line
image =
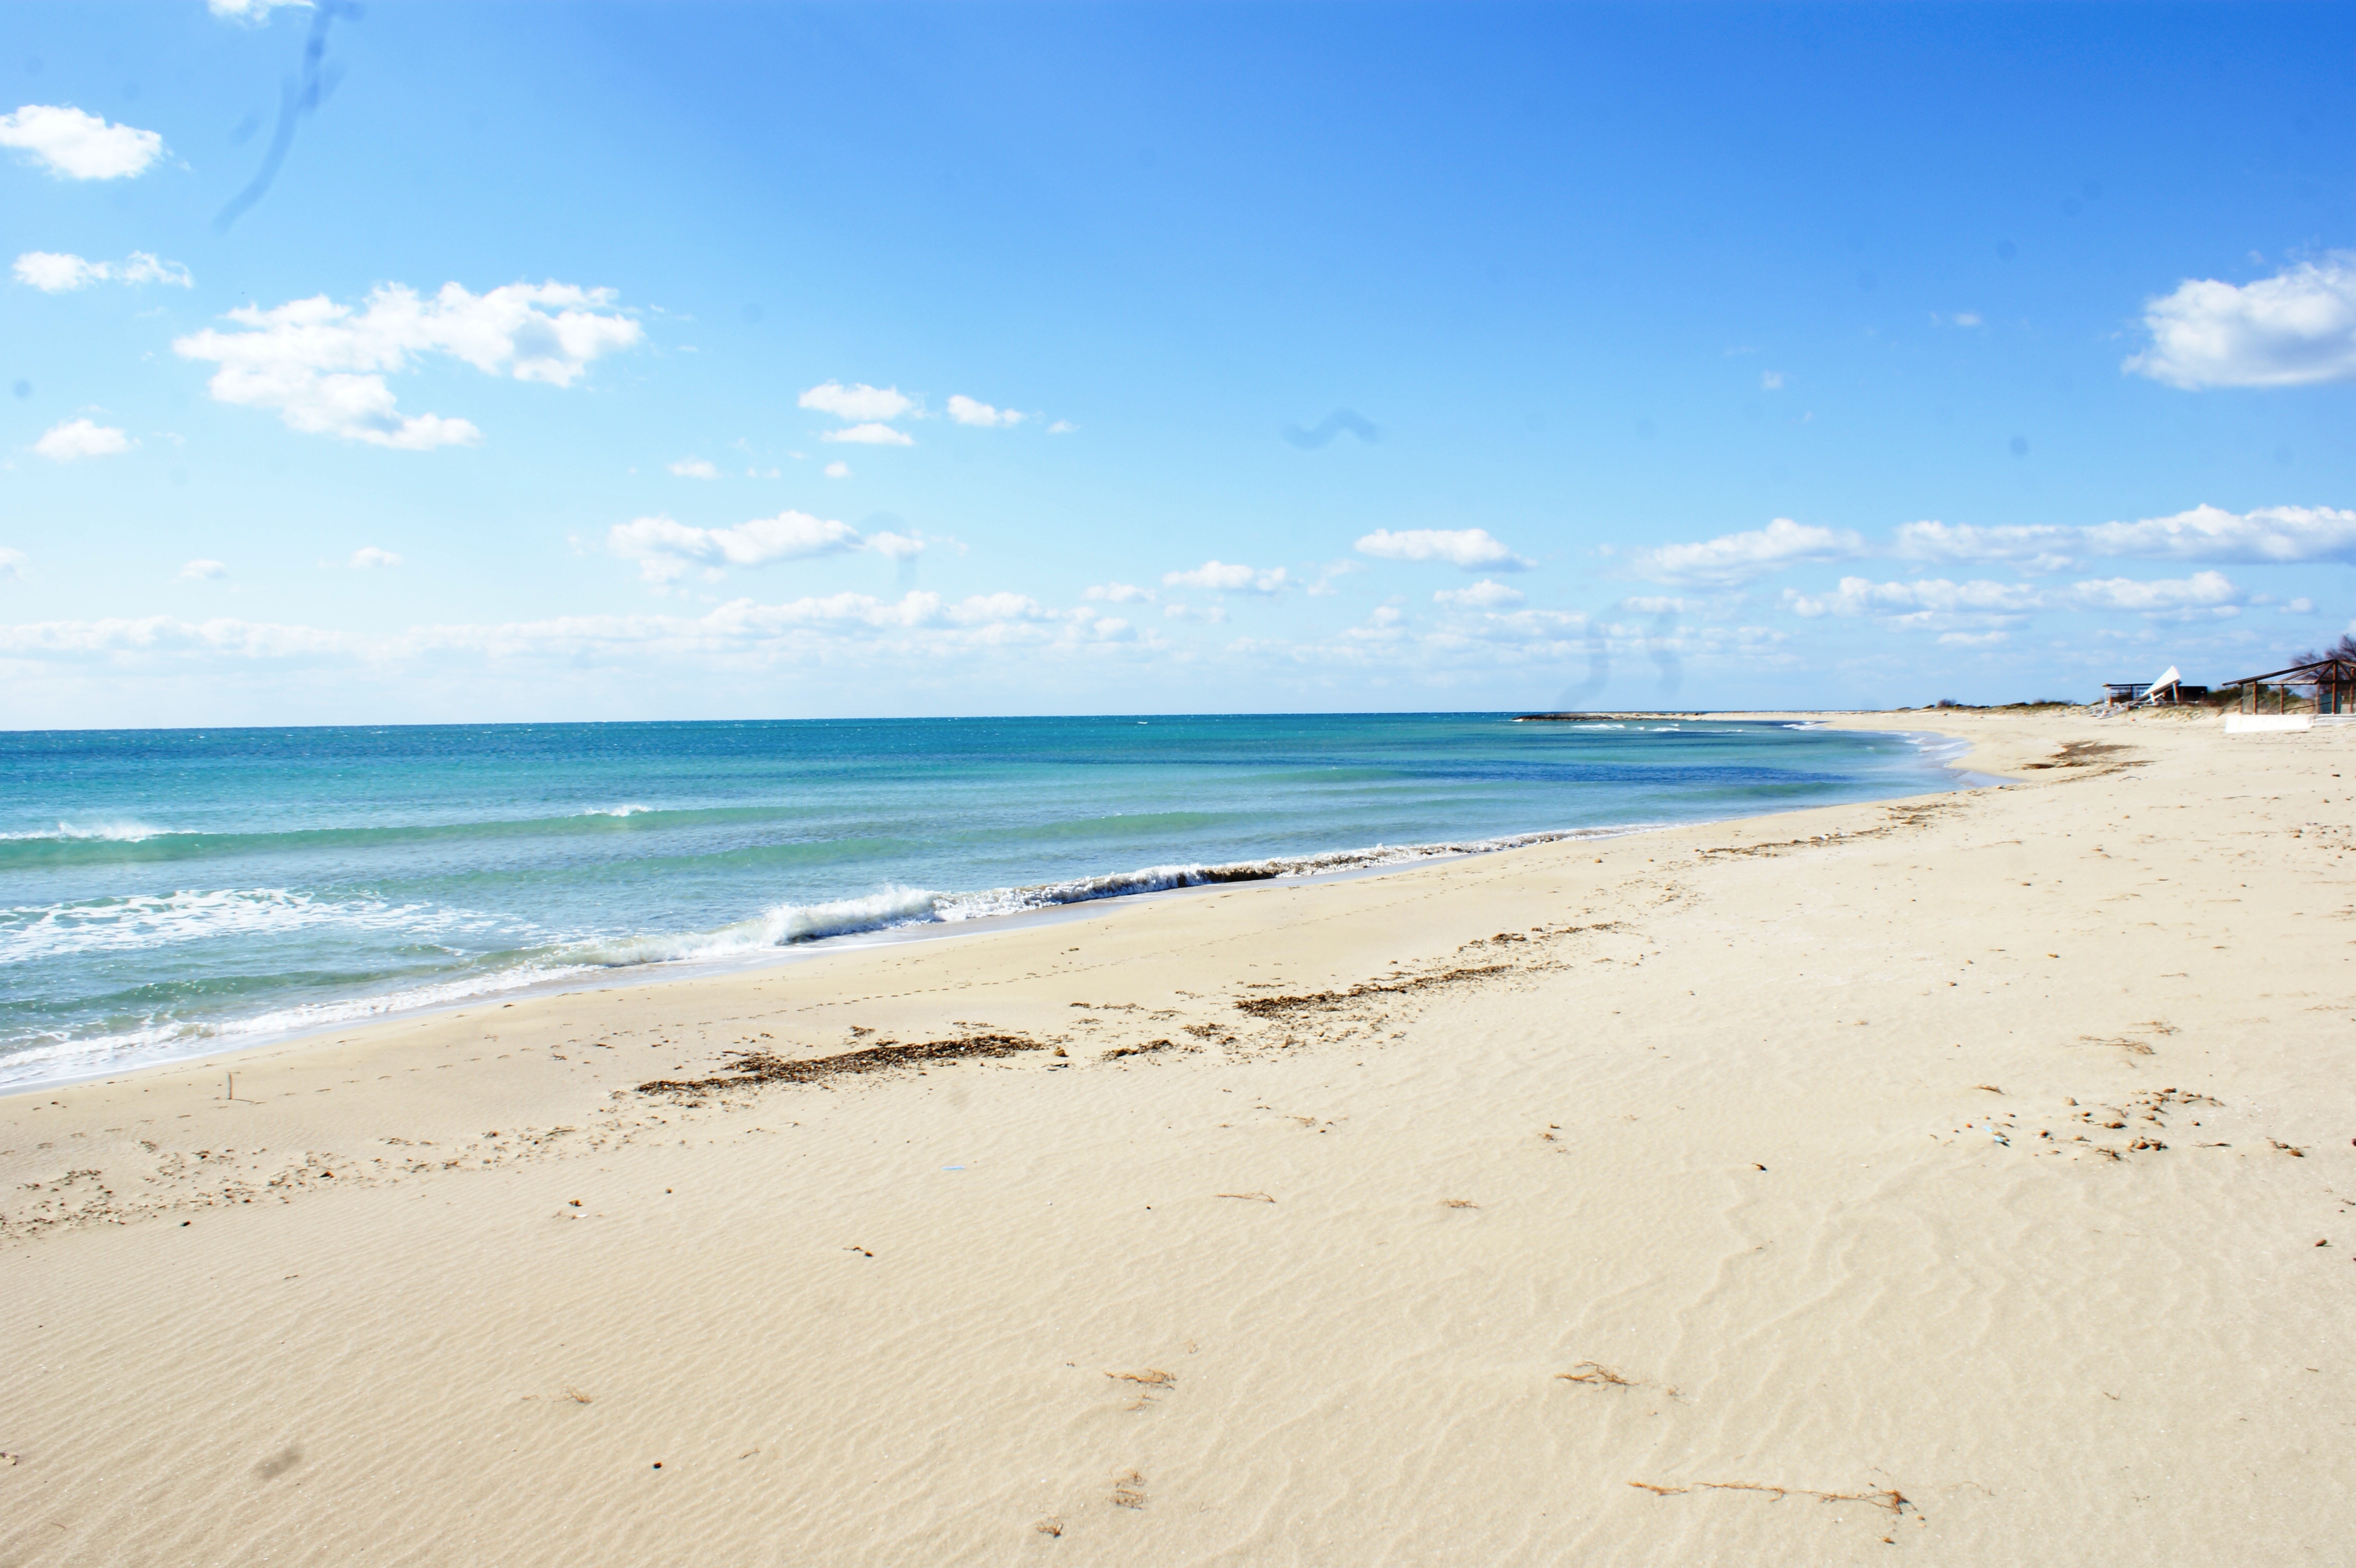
<point x="109" y="833"/>
<point x="788" y="925"/>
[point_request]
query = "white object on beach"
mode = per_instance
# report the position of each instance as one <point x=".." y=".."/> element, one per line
<point x="2266" y="723"/>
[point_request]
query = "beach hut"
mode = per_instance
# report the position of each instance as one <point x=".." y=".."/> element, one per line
<point x="2328" y="681"/>
<point x="2170" y="690"/>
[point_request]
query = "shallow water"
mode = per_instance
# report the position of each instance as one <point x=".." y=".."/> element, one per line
<point x="169" y="892"/>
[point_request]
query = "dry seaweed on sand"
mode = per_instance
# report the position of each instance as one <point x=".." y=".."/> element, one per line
<point x="751" y="1068"/>
<point x="1596" y="1372"/>
<point x="1278" y="1006"/>
<point x="1888" y="1499"/>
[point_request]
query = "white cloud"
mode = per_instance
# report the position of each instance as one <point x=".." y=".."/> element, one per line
<point x="73" y="439"/>
<point x="1061" y="427"/>
<point x="201" y="569"/>
<point x="145" y="266"/>
<point x="322" y="365"/>
<point x="12" y="564"/>
<point x="2280" y="534"/>
<point x="251" y="12"/>
<point x="2265" y="534"/>
<point x="368" y="557"/>
<point x="1216" y="614"/>
<point x="54" y="272"/>
<point x="1733" y="559"/>
<point x="57" y="271"/>
<point x="1119" y="593"/>
<point x="1226" y="577"/>
<point x="1483" y="594"/>
<point x="966" y="411"/>
<point x="870" y="434"/>
<point x="1469" y="547"/>
<point x="695" y="469"/>
<point x="168" y="634"/>
<point x="1967" y="319"/>
<point x="2203" y="591"/>
<point x="1972" y="638"/>
<point x="1654" y="604"/>
<point x="75" y="146"/>
<point x="2292" y="329"/>
<point x="1905" y="601"/>
<point x="2043" y="547"/>
<point x="1770" y="381"/>
<point x="857" y="403"/>
<point x="838" y="469"/>
<point x="920" y="628"/>
<point x="896" y="546"/>
<point x="665" y="550"/>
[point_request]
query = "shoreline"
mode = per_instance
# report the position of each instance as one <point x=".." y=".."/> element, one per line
<point x="218" y="1054"/>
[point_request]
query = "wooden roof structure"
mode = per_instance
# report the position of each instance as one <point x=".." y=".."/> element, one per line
<point x="2333" y="676"/>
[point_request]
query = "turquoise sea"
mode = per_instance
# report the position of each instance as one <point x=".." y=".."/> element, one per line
<point x="174" y="891"/>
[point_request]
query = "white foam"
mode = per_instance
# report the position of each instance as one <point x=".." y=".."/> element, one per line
<point x="119" y="925"/>
<point x="111" y="832"/>
<point x="91" y="1055"/>
<point x="629" y="811"/>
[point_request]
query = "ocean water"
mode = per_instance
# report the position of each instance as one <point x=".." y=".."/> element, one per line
<point x="172" y="892"/>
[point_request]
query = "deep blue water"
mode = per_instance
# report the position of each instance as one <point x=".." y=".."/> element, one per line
<point x="168" y="892"/>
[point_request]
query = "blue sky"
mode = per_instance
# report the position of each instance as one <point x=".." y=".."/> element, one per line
<point x="739" y="360"/>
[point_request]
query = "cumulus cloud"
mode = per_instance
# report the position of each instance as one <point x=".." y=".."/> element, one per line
<point x="71" y="440"/>
<point x="74" y="146"/>
<point x="322" y="365"/>
<point x="870" y="435"/>
<point x="896" y="546"/>
<point x="1484" y="595"/>
<point x="249" y="12"/>
<point x="1119" y="593"/>
<point x="368" y="558"/>
<point x="201" y="569"/>
<point x="2041" y="547"/>
<point x="167" y="635"/>
<point x="2267" y="534"/>
<point x="695" y="469"/>
<point x="857" y="402"/>
<point x="1937" y="603"/>
<point x="1733" y="559"/>
<point x="2295" y="328"/>
<point x="59" y="272"/>
<point x="1227" y="578"/>
<point x="1903" y="601"/>
<point x="666" y="550"/>
<point x="2279" y="535"/>
<point x="917" y="626"/>
<point x="54" y="272"/>
<point x="967" y="411"/>
<point x="1473" y="549"/>
<point x="2207" y="593"/>
<point x="838" y="469"/>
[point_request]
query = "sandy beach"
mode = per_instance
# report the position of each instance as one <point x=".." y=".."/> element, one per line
<point x="1965" y="1179"/>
